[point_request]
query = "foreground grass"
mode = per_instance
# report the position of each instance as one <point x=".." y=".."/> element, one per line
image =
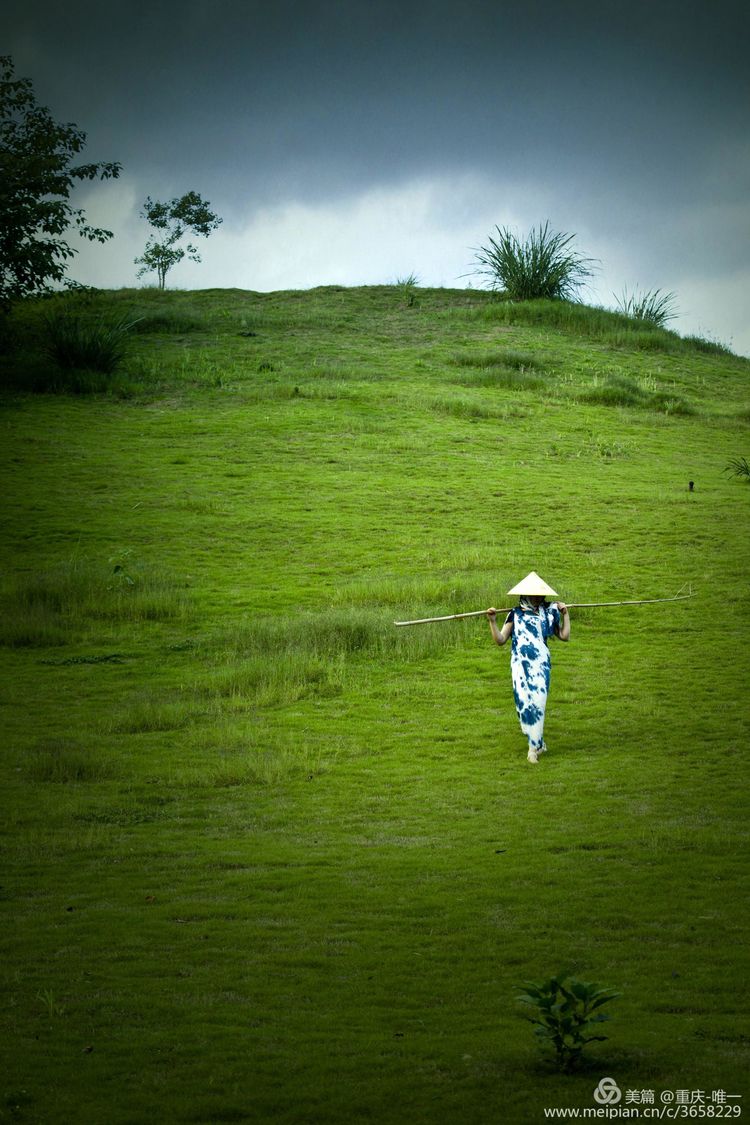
<point x="268" y="858"/>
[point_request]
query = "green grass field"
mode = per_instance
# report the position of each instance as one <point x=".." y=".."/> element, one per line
<point x="269" y="858"/>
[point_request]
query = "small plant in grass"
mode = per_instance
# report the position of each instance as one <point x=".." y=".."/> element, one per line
<point x="566" y="1012"/>
<point x="77" y="345"/>
<point x="121" y="576"/>
<point x="738" y="467"/>
<point x="407" y="287"/>
<point x="650" y="307"/>
<point x="49" y="1003"/>
<point x="541" y="265"/>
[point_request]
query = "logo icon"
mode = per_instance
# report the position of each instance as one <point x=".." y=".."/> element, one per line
<point x="607" y="1092"/>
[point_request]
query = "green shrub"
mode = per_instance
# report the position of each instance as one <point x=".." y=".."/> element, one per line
<point x="540" y="266"/>
<point x="564" y="1016"/>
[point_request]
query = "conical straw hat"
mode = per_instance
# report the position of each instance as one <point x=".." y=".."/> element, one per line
<point x="533" y="586"/>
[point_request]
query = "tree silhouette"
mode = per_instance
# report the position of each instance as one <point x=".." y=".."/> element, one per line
<point x="37" y="175"/>
<point x="176" y="217"/>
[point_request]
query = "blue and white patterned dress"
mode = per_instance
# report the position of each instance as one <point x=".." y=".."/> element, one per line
<point x="530" y="666"/>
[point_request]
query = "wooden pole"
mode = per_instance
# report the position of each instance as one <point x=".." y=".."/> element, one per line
<point x="678" y="597"/>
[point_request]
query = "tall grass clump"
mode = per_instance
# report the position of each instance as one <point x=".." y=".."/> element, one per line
<point x="541" y="265"/>
<point x="407" y="287"/>
<point x="75" y="344"/>
<point x="649" y="307"/>
<point x="738" y="467"/>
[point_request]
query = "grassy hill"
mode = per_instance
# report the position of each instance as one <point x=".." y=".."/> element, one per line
<point x="269" y="858"/>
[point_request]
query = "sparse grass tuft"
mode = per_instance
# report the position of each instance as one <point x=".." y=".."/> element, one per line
<point x="66" y="761"/>
<point x="703" y="344"/>
<point x="619" y="390"/>
<point x="507" y="368"/>
<point x="172" y="323"/>
<point x="52" y="606"/>
<point x="502" y="357"/>
<point x="147" y="714"/>
<point x="608" y="327"/>
<point x="472" y="410"/>
<point x="228" y="755"/>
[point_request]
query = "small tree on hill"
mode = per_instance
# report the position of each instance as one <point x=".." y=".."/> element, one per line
<point x="37" y="175"/>
<point x="175" y="218"/>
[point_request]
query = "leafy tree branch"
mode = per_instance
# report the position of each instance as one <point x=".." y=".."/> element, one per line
<point x="37" y="176"/>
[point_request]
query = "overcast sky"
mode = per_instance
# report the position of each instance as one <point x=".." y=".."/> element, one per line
<point x="354" y="143"/>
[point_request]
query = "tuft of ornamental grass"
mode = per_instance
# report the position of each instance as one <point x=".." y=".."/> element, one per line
<point x="650" y="306"/>
<point x="408" y="282"/>
<point x="407" y="288"/>
<point x="738" y="467"/>
<point x="76" y="344"/>
<point x="541" y="265"/>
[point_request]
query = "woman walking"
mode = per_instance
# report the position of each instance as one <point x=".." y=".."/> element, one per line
<point x="530" y="624"/>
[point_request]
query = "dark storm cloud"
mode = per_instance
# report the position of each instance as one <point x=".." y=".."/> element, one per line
<point x="330" y="96"/>
<point x="626" y="122"/>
